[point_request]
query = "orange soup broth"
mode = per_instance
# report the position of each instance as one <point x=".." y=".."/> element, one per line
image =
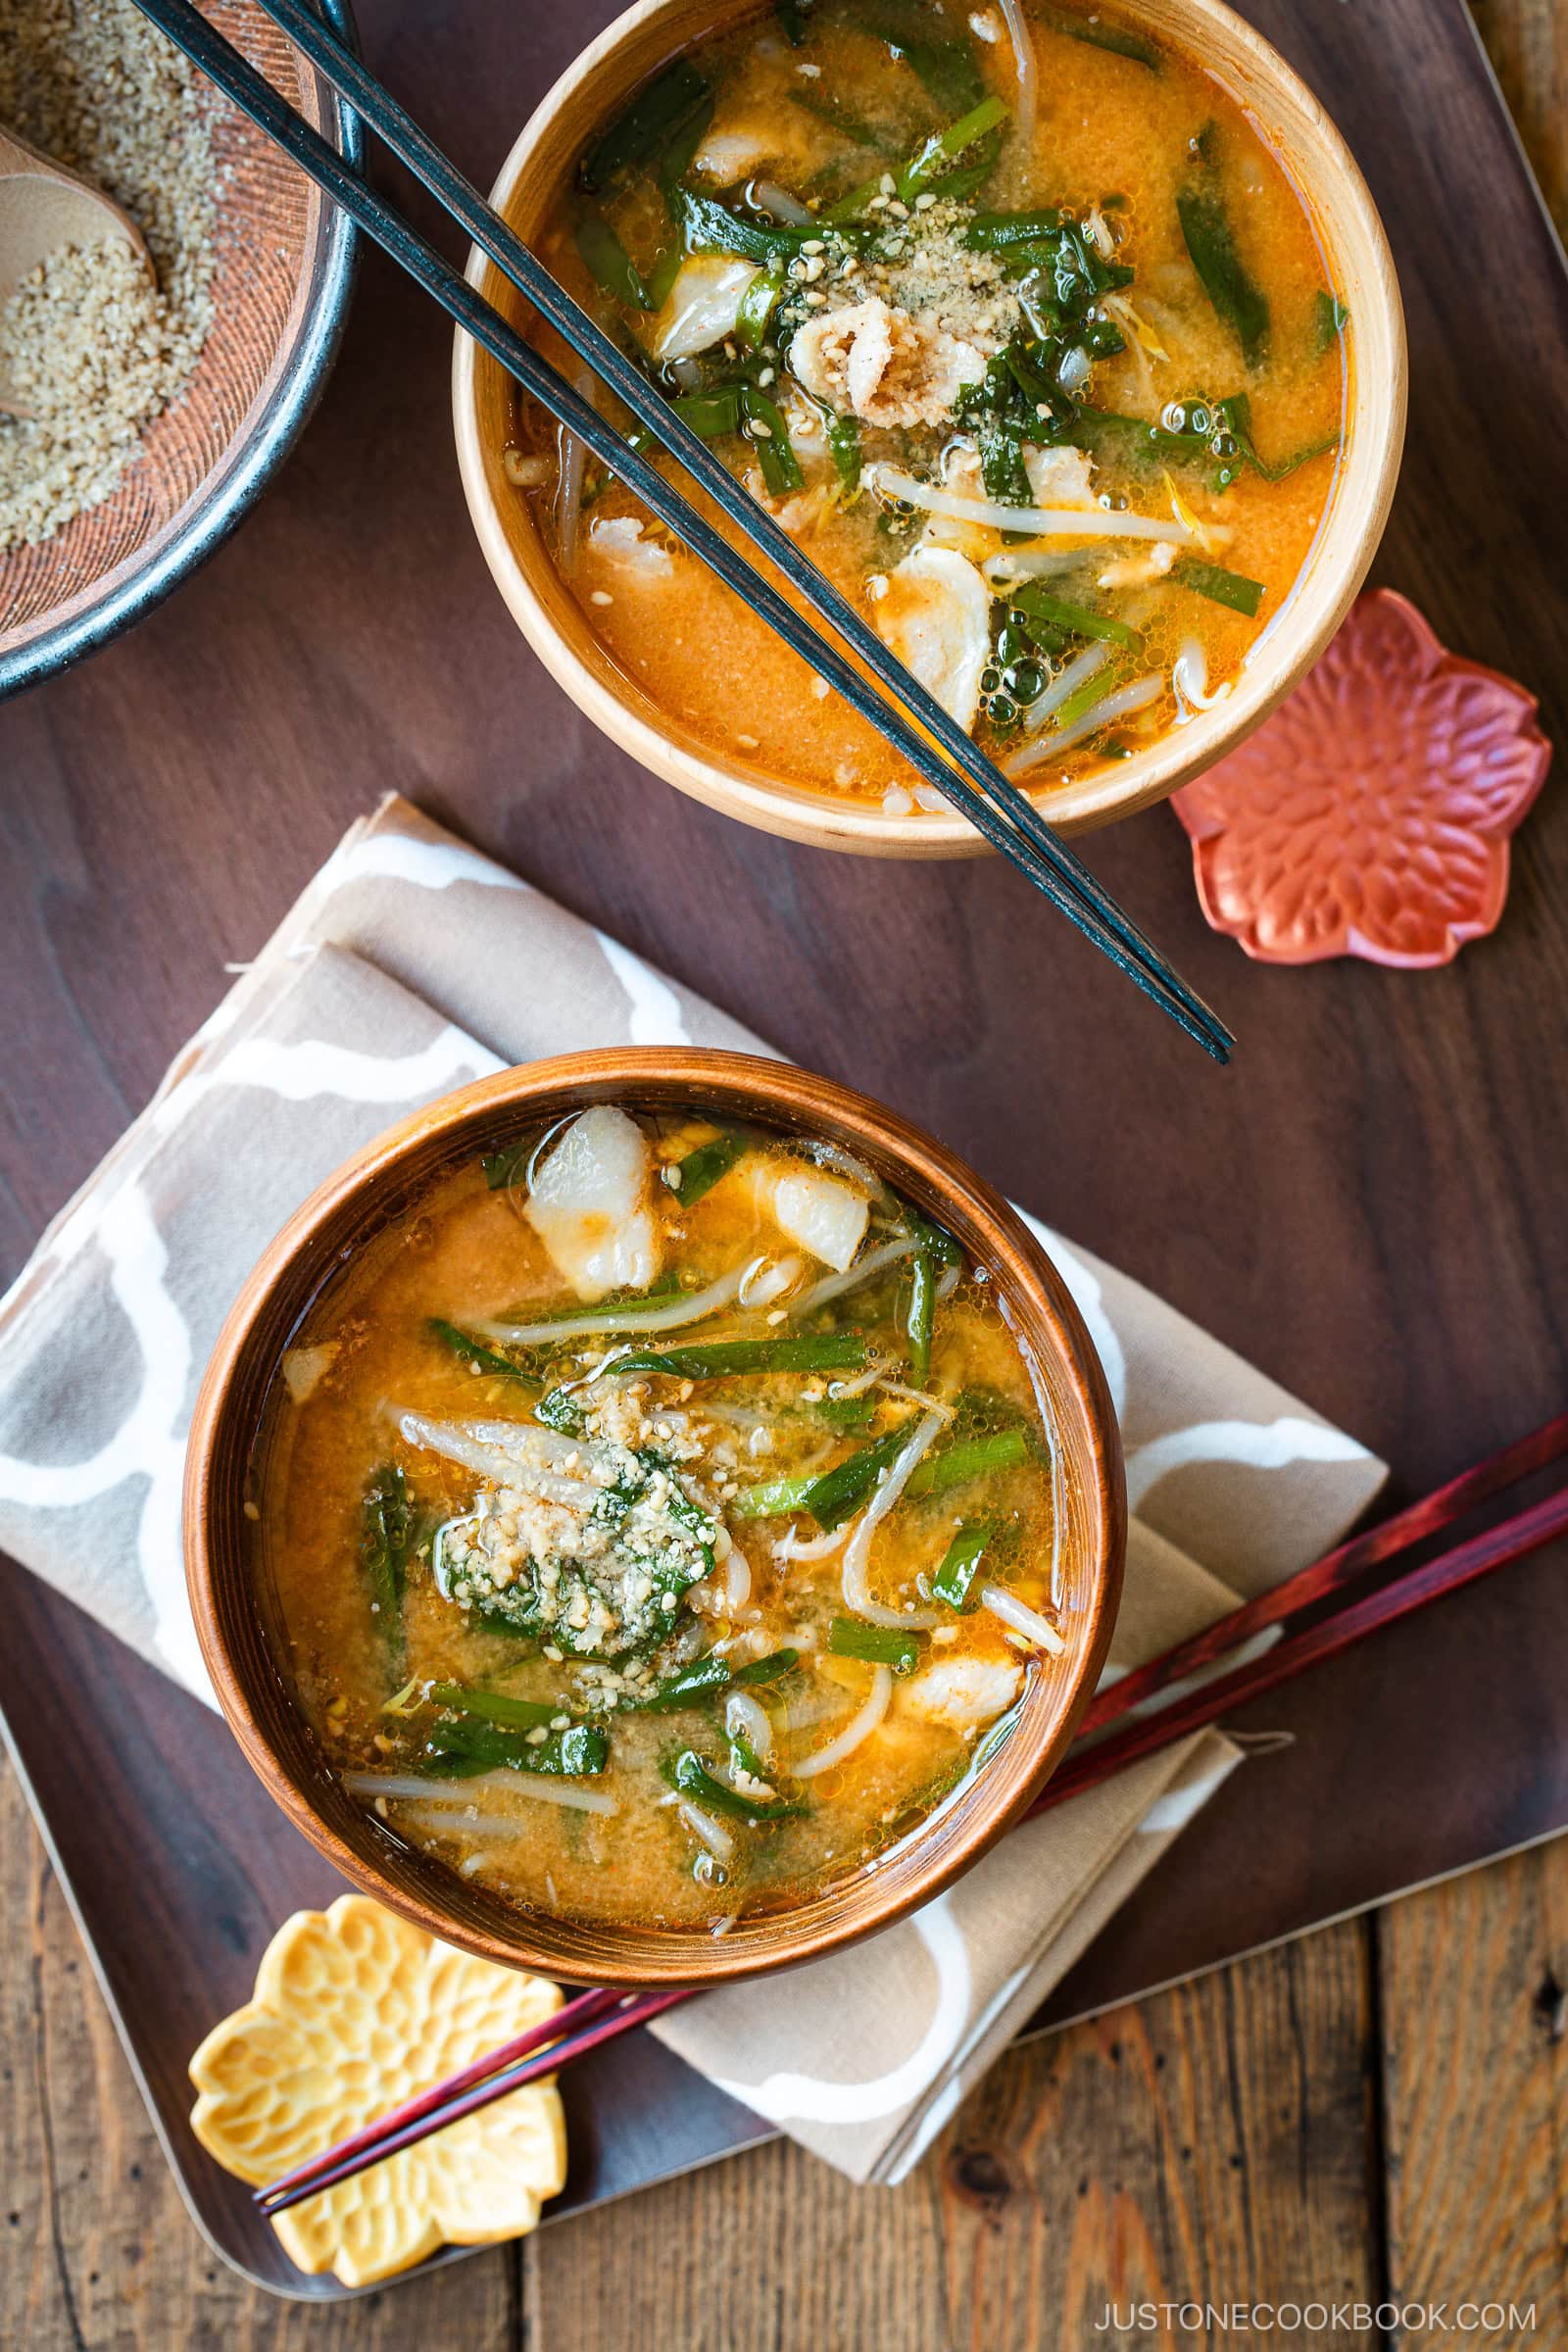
<point x="465" y="1253"/>
<point x="1106" y="127"/>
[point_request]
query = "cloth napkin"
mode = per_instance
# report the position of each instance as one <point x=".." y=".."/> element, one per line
<point x="394" y="978"/>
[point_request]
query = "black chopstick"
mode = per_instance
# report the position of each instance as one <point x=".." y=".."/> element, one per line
<point x="1028" y="843"/>
<point x="465" y="203"/>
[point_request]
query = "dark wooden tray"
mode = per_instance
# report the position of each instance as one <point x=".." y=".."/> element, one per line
<point x="1369" y="1204"/>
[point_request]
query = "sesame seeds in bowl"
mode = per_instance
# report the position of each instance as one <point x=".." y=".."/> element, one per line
<point x="128" y="475"/>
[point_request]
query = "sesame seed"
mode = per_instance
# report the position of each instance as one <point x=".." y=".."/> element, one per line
<point x="597" y="596"/>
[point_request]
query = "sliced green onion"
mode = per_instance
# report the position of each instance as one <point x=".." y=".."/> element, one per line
<point x="1083" y="699"/>
<point x="642" y="130"/>
<point x="877" y="1644"/>
<point x="946" y="70"/>
<point x="1221" y="587"/>
<point x="687" y="1688"/>
<point x="772" y="1498"/>
<point x="961" y="1563"/>
<point x="994" y="232"/>
<point x="502" y="1168"/>
<point x="832" y="1498"/>
<point x="608" y="261"/>
<point x="1237" y="416"/>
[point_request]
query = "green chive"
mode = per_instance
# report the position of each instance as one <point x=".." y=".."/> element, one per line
<point x="968" y="1457"/>
<point x="808" y="1352"/>
<point x="1211" y="246"/>
<point x="1330" y="321"/>
<point x="474" y="1352"/>
<point x="756" y="304"/>
<point x="702" y="1169"/>
<point x="609" y="263"/>
<point x="385" y="1533"/>
<point x="1055" y="614"/>
<point x="933" y="157"/>
<point x="641" y="130"/>
<point x="495" y="1706"/>
<point x="776" y="452"/>
<point x="1221" y="587"/>
<point x="961" y="1563"/>
<point x="691" y="1776"/>
<point x="877" y="1644"/>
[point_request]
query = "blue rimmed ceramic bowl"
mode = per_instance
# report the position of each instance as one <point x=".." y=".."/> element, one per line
<point x="284" y="272"/>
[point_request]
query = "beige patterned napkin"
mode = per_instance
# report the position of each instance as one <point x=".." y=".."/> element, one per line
<point x="410" y="965"/>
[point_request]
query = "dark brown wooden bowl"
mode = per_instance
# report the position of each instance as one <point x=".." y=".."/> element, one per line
<point x="244" y="1657"/>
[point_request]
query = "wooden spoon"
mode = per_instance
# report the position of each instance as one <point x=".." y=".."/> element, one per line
<point x="42" y="207"/>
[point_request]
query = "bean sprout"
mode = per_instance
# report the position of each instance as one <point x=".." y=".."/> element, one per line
<point x="1028" y="72"/>
<point x="834" y="1286"/>
<point x="539" y="1784"/>
<point x="710" y="1832"/>
<point x="1081" y="668"/>
<point x="747" y="1715"/>
<point x="669" y="1315"/>
<point x="1022" y="1619"/>
<point x="1078" y="523"/>
<point x="856" y="1557"/>
<point x="860" y="1727"/>
<point x="768" y="1278"/>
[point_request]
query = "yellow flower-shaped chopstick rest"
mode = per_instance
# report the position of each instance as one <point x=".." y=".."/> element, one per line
<point x="354" y="2012"/>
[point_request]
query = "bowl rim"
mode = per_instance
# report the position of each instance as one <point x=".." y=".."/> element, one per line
<point x="246" y="1353"/>
<point x="1341" y="554"/>
<point x="226" y="497"/>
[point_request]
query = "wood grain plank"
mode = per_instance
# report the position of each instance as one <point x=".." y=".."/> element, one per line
<point x="992" y="2243"/>
<point x="96" y="2247"/>
<point x="1527" y="41"/>
<point x="1472" y="1979"/>
<point x="1212" y="2142"/>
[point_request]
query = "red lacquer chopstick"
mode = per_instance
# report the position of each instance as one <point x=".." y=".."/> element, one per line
<point x="615" y="2012"/>
<point x="603" y="2013"/>
<point x="1346" y="1565"/>
<point x="1086" y="1767"/>
<point x="559" y="2027"/>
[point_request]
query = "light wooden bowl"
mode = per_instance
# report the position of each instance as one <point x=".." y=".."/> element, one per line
<point x="634" y="47"/>
<point x="244" y="1657"/>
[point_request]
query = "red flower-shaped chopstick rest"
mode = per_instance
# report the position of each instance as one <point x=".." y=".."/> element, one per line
<point x="1370" y="815"/>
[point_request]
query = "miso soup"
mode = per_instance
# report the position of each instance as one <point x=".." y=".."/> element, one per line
<point x="1033" y="350"/>
<point x="660" y="1519"/>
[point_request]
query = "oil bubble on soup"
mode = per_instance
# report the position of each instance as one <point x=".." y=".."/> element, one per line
<point x="661" y="1518"/>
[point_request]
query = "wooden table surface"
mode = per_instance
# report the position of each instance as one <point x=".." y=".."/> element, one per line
<point x="1376" y="2113"/>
